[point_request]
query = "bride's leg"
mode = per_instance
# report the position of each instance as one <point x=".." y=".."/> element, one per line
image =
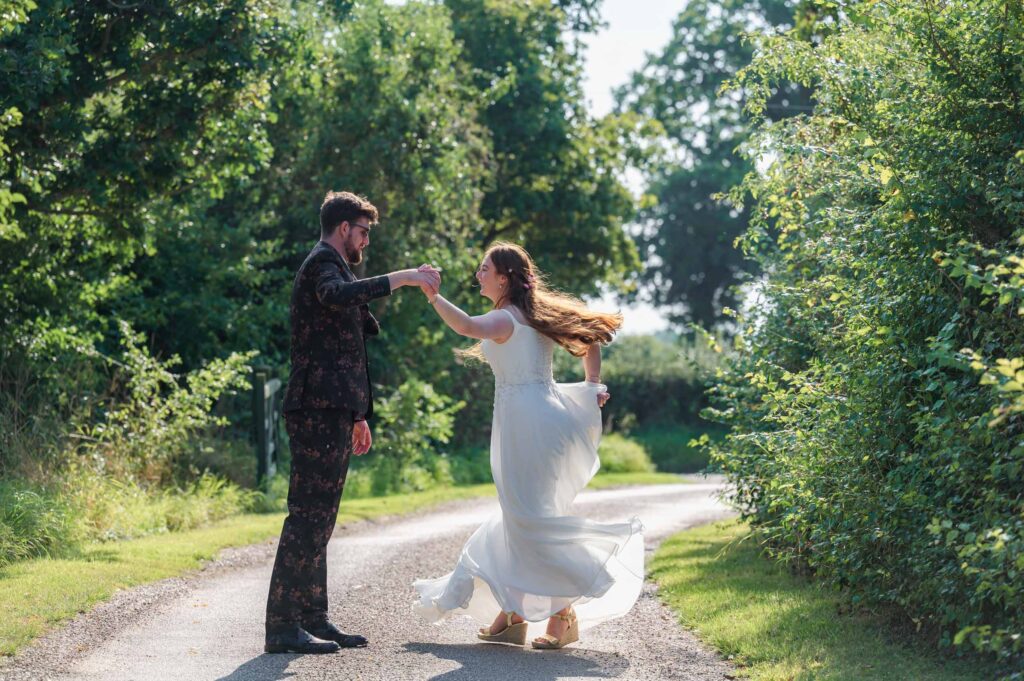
<point x="507" y="628"/>
<point x="500" y="623"/>
<point x="556" y="625"/>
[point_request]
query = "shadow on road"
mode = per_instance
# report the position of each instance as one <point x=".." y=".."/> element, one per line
<point x="263" y="668"/>
<point x="481" y="661"/>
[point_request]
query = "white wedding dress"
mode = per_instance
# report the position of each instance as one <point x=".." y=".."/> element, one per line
<point x="531" y="557"/>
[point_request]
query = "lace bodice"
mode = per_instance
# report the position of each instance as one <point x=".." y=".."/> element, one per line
<point x="524" y="358"/>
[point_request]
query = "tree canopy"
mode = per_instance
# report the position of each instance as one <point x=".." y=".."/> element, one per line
<point x="688" y="235"/>
<point x="163" y="164"/>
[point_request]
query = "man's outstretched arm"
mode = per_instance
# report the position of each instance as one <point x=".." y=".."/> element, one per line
<point x="332" y="290"/>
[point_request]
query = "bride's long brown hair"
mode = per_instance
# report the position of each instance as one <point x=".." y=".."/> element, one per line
<point x="562" y="318"/>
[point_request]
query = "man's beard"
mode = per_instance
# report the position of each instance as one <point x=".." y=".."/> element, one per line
<point x="354" y="256"/>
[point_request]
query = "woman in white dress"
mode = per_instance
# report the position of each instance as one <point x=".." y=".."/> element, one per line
<point x="532" y="560"/>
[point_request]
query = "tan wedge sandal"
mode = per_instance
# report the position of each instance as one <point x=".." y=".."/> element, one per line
<point x="512" y="633"/>
<point x="571" y="635"/>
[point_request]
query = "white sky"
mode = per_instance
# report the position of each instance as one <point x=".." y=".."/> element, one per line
<point x="635" y="28"/>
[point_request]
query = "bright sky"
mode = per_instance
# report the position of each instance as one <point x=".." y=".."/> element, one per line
<point x="635" y="28"/>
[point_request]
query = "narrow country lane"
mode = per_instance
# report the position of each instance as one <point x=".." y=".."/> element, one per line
<point x="210" y="626"/>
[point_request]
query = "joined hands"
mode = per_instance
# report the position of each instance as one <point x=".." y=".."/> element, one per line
<point x="432" y="286"/>
<point x="426" y="277"/>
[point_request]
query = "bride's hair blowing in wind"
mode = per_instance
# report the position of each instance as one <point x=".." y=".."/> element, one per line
<point x="563" y="318"/>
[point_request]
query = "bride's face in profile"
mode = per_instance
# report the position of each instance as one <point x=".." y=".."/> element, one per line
<point x="492" y="284"/>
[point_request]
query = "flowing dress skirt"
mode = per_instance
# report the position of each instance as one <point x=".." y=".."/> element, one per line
<point x="531" y="556"/>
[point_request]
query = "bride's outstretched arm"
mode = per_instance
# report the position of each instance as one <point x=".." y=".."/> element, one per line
<point x="592" y="369"/>
<point x="592" y="364"/>
<point x="495" y="325"/>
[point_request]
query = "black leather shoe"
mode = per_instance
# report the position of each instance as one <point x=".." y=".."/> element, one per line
<point x="329" y="632"/>
<point x="297" y="640"/>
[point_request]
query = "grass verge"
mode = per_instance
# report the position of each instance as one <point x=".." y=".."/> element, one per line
<point x="775" y="626"/>
<point x="38" y="594"/>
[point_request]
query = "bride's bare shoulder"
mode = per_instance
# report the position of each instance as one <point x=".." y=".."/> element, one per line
<point x="517" y="314"/>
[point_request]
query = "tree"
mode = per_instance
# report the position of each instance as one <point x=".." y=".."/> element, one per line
<point x="555" y="174"/>
<point x="373" y="101"/>
<point x="687" y="238"/>
<point x="164" y="164"/>
<point x="112" y="110"/>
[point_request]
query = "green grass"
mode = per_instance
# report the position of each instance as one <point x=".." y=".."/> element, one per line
<point x="38" y="594"/>
<point x="776" y="626"/>
<point x="605" y="480"/>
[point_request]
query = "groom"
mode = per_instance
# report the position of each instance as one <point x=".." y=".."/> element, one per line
<point x="326" y="406"/>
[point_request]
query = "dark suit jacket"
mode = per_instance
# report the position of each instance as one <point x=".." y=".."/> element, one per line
<point x="330" y="320"/>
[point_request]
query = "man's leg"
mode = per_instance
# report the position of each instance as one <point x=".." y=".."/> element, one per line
<point x="331" y="472"/>
<point x="320" y="444"/>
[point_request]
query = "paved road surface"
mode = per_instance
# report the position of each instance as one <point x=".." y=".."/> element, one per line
<point x="210" y="626"/>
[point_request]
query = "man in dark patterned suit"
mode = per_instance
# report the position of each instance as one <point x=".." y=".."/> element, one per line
<point x="326" y="406"/>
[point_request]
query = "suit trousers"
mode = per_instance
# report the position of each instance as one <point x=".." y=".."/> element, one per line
<point x="321" y="444"/>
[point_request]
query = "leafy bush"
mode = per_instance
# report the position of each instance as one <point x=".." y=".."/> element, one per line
<point x="206" y="500"/>
<point x="157" y="418"/>
<point x="224" y="455"/>
<point x="653" y="379"/>
<point x="672" y="448"/>
<point x="877" y="436"/>
<point x="470" y="465"/>
<point x="621" y="455"/>
<point x="410" y="424"/>
<point x="109" y="509"/>
<point x="53" y="521"/>
<point x="33" y="522"/>
<point x="274" y="498"/>
<point x="129" y="468"/>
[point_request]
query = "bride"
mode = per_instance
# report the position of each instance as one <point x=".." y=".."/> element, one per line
<point x="532" y="560"/>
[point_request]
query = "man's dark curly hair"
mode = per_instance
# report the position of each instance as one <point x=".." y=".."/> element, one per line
<point x="339" y="207"/>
